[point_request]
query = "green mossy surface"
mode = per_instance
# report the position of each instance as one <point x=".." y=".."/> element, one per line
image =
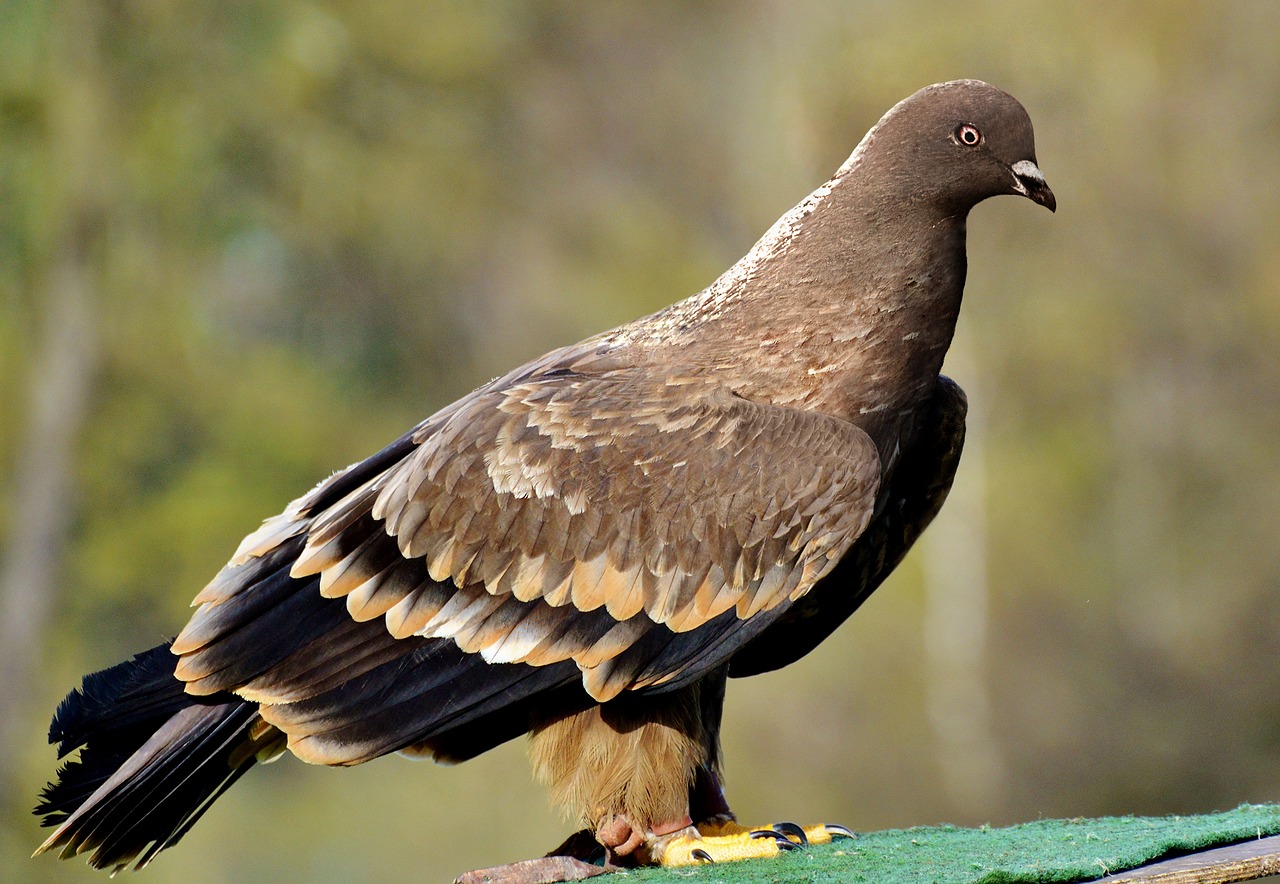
<point x="1036" y="852"/>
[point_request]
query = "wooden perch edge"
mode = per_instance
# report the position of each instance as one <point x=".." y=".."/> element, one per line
<point x="1246" y="861"/>
<point x="548" y="870"/>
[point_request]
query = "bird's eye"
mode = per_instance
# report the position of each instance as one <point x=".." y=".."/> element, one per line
<point x="968" y="134"/>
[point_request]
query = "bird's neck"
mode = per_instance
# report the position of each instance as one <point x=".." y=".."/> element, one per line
<point x="847" y="306"/>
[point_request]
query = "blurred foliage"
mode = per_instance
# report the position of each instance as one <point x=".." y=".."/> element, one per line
<point x="309" y="224"/>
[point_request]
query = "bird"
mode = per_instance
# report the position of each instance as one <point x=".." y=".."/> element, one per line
<point x="585" y="548"/>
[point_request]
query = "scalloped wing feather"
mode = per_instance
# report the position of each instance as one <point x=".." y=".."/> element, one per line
<point x="564" y="517"/>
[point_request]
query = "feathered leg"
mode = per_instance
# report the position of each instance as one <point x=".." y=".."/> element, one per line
<point x="643" y="774"/>
<point x="627" y="768"/>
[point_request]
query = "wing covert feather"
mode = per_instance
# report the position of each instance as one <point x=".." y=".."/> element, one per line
<point x="623" y="492"/>
<point x="567" y="515"/>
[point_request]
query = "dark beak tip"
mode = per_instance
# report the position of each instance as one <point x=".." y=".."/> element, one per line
<point x="1030" y="183"/>
<point x="1040" y="194"/>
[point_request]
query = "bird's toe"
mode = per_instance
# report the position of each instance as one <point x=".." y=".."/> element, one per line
<point x="726" y="841"/>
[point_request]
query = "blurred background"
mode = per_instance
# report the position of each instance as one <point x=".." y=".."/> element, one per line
<point x="243" y="244"/>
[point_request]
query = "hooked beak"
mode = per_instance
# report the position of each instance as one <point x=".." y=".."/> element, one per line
<point x="1029" y="181"/>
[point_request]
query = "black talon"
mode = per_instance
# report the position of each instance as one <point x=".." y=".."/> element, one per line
<point x="791" y="830"/>
<point x="783" y="842"/>
<point x="835" y="830"/>
<point x="701" y="855"/>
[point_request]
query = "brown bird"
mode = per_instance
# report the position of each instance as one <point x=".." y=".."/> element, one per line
<point x="585" y="548"/>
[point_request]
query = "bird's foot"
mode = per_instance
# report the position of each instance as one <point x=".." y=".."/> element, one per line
<point x="723" y="840"/>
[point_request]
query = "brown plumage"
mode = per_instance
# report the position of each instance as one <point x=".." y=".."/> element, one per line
<point x="585" y="547"/>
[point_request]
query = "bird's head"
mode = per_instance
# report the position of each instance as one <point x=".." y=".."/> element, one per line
<point x="955" y="144"/>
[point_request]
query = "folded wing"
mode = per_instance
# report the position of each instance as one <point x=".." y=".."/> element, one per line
<point x="628" y="529"/>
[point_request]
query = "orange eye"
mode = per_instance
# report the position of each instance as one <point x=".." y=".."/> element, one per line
<point x="968" y="135"/>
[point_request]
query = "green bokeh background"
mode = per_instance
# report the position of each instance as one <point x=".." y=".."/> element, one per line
<point x="243" y="244"/>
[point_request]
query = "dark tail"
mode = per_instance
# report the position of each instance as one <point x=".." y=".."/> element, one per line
<point x="152" y="759"/>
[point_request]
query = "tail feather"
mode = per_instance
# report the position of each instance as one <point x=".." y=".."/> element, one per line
<point x="152" y="760"/>
<point x="120" y="707"/>
<point x="130" y="694"/>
